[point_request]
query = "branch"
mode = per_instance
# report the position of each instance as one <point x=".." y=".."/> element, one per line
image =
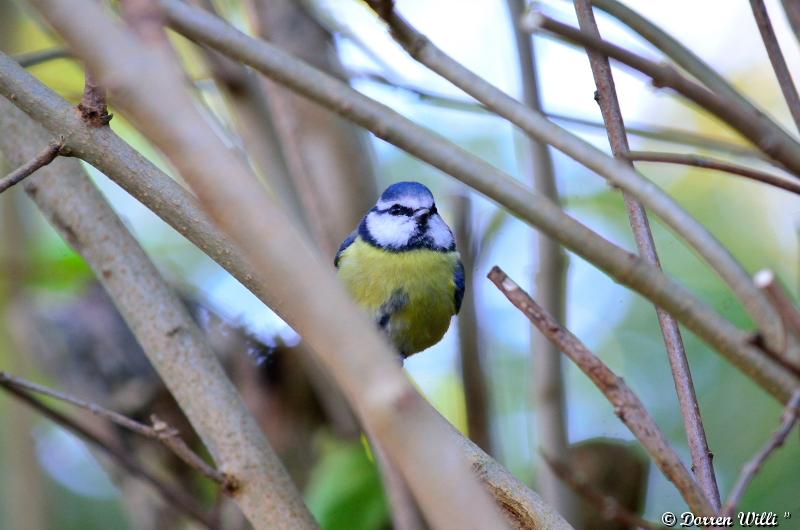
<point x="627" y="405"/>
<point x="172" y="341"/>
<point x="550" y="278"/>
<point x="608" y="507"/>
<point x="640" y="224"/>
<point x="28" y="59"/>
<point x="487" y="179"/>
<point x="45" y="156"/>
<point x="650" y="131"/>
<point x="93" y="104"/>
<point x="776" y="59"/>
<point x="718" y="165"/>
<point x="617" y="172"/>
<point x="160" y="431"/>
<point x="110" y="154"/>
<point x="171" y="495"/>
<point x="791" y="415"/>
<point x="792" y="10"/>
<point x="347" y="342"/>
<point x="748" y="121"/>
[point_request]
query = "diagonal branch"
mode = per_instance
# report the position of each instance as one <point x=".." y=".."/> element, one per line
<point x="45" y="156"/>
<point x="791" y="415"/>
<point x="175" y="497"/>
<point x="776" y="59"/>
<point x="673" y="341"/>
<point x="627" y="405"/>
<point x="748" y="121"/>
<point x="717" y="165"/>
<point x="159" y="431"/>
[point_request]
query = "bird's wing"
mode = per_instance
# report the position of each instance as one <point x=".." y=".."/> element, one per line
<point x="458" y="277"/>
<point x="346" y="243"/>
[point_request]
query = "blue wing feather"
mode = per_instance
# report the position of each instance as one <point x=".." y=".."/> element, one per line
<point x="346" y="243"/>
<point x="458" y="277"/>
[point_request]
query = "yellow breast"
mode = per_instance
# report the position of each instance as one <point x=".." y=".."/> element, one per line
<point x="373" y="275"/>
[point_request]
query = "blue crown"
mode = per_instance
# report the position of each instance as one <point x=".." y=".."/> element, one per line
<point x="405" y="189"/>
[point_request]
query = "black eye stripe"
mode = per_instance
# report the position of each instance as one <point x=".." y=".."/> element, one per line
<point x="397" y="209"/>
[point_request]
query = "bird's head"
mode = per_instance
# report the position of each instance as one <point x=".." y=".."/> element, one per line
<point x="405" y="218"/>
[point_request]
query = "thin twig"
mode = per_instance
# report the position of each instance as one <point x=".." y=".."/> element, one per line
<point x="47" y="155"/>
<point x="776" y="59"/>
<point x="627" y="405"/>
<point x="673" y="341"/>
<point x="550" y="278"/>
<point x="28" y="59"/>
<point x="649" y="131"/>
<point x="174" y="497"/>
<point x="790" y="416"/>
<point x="607" y="506"/>
<point x="768" y="281"/>
<point x="718" y="165"/>
<point x="750" y="123"/>
<point x="792" y="10"/>
<point x="159" y="431"/>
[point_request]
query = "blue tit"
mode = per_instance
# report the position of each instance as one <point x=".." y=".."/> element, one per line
<point x="401" y="265"/>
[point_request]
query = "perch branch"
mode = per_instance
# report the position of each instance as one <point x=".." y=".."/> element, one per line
<point x="717" y="165"/>
<point x="173" y="496"/>
<point x="550" y="278"/>
<point x="180" y="209"/>
<point x="790" y="416"/>
<point x="749" y="122"/>
<point x="627" y="405"/>
<point x="348" y="344"/>
<point x="45" y="156"/>
<point x="776" y="59"/>
<point x="673" y="341"/>
<point x="159" y="431"/>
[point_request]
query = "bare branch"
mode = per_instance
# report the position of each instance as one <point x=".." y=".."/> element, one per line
<point x="160" y="431"/>
<point x="673" y="341"/>
<point x="174" y="344"/>
<point x="45" y="156"/>
<point x="792" y="10"/>
<point x="790" y="416"/>
<point x="487" y="179"/>
<point x="28" y="59"/>
<point x="627" y="405"/>
<point x="175" y="497"/>
<point x="609" y="507"/>
<point x="550" y="278"/>
<point x="180" y="209"/>
<point x="718" y="165"/>
<point x="750" y="123"/>
<point x="776" y="59"/>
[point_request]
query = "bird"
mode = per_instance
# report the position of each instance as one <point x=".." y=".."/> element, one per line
<point x="401" y="265"/>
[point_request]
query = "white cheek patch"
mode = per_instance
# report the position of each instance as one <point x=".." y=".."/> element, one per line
<point x="439" y="232"/>
<point x="390" y="230"/>
<point x="410" y="201"/>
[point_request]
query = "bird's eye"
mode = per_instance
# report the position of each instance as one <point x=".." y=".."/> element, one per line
<point x="400" y="210"/>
